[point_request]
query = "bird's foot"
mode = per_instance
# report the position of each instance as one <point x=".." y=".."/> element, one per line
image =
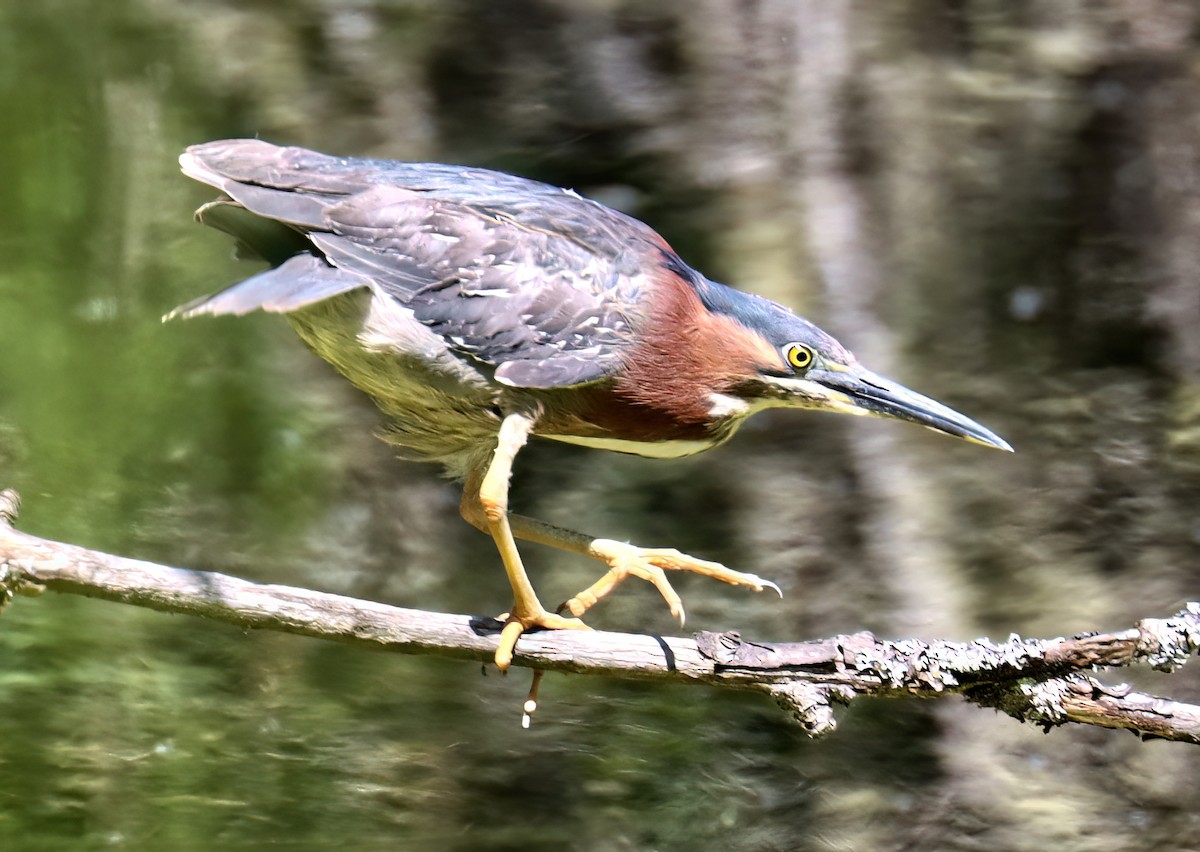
<point x="518" y="622"/>
<point x="650" y="564"/>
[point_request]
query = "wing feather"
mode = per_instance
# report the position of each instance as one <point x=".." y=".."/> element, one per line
<point x="538" y="282"/>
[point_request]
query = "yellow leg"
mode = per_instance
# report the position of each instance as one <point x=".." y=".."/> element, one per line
<point x="485" y="505"/>
<point x="527" y="611"/>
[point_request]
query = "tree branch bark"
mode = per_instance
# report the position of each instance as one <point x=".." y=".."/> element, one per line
<point x="1033" y="680"/>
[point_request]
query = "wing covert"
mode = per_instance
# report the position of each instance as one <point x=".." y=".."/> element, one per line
<point x="546" y="306"/>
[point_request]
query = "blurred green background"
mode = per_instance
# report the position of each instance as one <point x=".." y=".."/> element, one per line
<point x="993" y="202"/>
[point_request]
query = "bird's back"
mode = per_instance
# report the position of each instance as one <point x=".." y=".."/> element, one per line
<point x="532" y="283"/>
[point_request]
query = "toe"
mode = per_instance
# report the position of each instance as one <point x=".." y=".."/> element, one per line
<point x="654" y="575"/>
<point x="508" y="643"/>
<point x="518" y="624"/>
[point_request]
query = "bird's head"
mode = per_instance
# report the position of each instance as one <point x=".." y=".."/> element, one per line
<point x="813" y="370"/>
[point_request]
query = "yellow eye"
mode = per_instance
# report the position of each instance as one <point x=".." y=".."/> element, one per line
<point x="798" y="355"/>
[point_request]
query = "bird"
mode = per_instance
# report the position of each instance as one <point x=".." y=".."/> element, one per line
<point x="479" y="309"/>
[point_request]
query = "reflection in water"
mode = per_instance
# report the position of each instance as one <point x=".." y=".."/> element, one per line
<point x="224" y="445"/>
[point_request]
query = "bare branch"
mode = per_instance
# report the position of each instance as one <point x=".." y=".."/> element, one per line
<point x="1033" y="680"/>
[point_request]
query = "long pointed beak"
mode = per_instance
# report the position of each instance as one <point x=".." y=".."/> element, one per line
<point x="859" y="391"/>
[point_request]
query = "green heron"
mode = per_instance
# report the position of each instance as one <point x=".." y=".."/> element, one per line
<point x="477" y="309"/>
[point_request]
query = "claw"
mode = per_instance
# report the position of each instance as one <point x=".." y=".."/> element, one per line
<point x="767" y="584"/>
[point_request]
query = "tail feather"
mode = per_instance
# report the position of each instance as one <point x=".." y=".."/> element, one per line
<point x="257" y="238"/>
<point x="275" y="201"/>
<point x="301" y="281"/>
<point x="270" y="207"/>
<point x="253" y="161"/>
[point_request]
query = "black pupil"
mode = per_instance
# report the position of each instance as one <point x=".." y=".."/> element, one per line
<point x="800" y="356"/>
